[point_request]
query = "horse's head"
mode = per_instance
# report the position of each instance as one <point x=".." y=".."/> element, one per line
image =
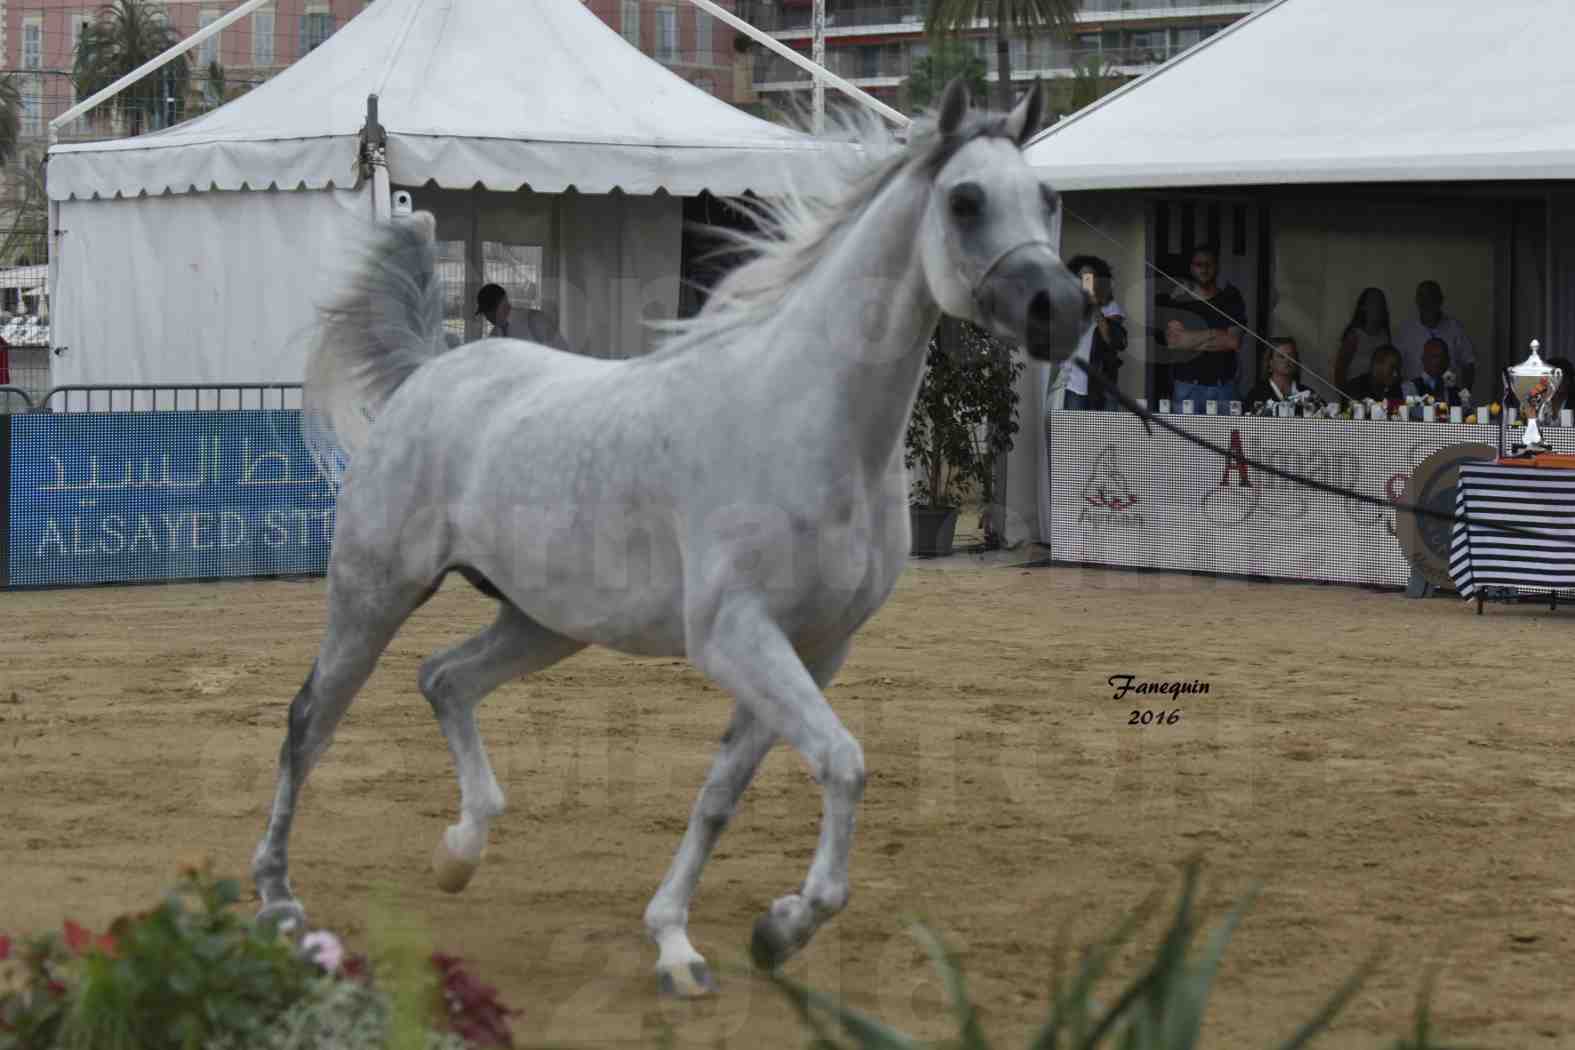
<point x="985" y="239"/>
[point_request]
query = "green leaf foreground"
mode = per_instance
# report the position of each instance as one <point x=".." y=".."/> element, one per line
<point x="1162" y="1008"/>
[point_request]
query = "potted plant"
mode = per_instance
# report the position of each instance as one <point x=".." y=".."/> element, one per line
<point x="964" y="418"/>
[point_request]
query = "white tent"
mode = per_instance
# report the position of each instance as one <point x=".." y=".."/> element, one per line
<point x="1309" y="94"/>
<point x="1339" y="91"/>
<point x="198" y="253"/>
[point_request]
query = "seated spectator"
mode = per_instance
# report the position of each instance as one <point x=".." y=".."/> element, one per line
<point x="1561" y="397"/>
<point x="1433" y="323"/>
<point x="1283" y="368"/>
<point x="1445" y="389"/>
<point x="1381" y="381"/>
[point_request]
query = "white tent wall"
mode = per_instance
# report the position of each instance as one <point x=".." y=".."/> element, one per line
<point x="195" y="288"/>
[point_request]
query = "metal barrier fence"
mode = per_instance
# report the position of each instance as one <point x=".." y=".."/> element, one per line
<point x="14" y="399"/>
<point x="171" y="397"/>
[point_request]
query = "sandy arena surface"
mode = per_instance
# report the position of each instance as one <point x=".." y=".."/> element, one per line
<point x="1396" y="771"/>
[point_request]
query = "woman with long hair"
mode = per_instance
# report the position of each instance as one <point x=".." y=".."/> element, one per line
<point x="1368" y="330"/>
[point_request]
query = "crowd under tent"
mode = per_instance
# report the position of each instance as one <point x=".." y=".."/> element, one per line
<point x="1325" y="146"/>
<point x="556" y="157"/>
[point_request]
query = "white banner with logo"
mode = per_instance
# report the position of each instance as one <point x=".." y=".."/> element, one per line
<point x="1119" y="496"/>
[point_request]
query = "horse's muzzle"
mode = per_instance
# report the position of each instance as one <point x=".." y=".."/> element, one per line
<point x="1032" y="299"/>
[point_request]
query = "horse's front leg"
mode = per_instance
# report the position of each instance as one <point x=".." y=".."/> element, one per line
<point x="744" y="651"/>
<point x="681" y="970"/>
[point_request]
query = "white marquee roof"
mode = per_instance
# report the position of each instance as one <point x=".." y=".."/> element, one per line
<point x="504" y="93"/>
<point x="1320" y="91"/>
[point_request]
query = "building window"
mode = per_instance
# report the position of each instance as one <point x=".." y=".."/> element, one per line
<point x="707" y="85"/>
<point x="32" y="106"/>
<point x="208" y="50"/>
<point x="79" y="24"/>
<point x="262" y="39"/>
<point x="33" y="42"/>
<point x="667" y="34"/>
<point x="629" y="22"/>
<point x="703" y="38"/>
<point x="316" y="27"/>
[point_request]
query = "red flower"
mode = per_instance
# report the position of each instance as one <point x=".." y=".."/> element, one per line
<point x="77" y="939"/>
<point x="5" y="947"/>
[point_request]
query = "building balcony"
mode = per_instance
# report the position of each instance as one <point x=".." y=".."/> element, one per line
<point x="792" y="19"/>
<point x="893" y="64"/>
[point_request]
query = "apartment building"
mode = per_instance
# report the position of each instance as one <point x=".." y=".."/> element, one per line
<point x="41" y="42"/>
<point x="691" y="43"/>
<point x="875" y="43"/>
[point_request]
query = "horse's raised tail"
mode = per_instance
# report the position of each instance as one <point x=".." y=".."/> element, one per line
<point x="387" y="323"/>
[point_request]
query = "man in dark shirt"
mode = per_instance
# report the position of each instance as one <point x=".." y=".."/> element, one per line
<point x="1210" y="328"/>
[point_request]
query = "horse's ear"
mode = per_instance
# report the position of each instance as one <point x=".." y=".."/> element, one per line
<point x="1023" y="121"/>
<point x="954" y="104"/>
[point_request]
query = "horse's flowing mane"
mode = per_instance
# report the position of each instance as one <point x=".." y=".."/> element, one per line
<point x="799" y="229"/>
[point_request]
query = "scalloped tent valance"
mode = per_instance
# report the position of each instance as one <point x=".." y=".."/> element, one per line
<point x="500" y="93"/>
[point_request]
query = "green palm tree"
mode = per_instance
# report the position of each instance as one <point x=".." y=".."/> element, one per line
<point x="1025" y="17"/>
<point x="10" y="117"/>
<point x="122" y="37"/>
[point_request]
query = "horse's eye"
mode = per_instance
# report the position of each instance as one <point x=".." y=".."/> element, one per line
<point x="967" y="200"/>
<point x="1052" y="199"/>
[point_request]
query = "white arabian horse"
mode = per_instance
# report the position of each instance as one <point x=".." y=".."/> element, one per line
<point x="737" y="497"/>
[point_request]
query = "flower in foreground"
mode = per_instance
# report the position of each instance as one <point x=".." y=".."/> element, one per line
<point x="324" y="949"/>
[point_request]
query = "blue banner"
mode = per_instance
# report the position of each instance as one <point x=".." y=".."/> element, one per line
<point x="138" y="496"/>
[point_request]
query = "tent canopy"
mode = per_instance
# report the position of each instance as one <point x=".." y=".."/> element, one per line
<point x="1322" y="91"/>
<point x="498" y="93"/>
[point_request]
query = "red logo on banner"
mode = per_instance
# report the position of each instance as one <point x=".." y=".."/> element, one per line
<point x="1237" y="461"/>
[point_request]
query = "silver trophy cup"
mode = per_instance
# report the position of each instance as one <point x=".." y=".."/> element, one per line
<point x="1534" y="382"/>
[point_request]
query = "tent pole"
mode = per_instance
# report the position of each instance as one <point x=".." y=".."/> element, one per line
<point x="776" y="46"/>
<point x="817" y="54"/>
<point x="374" y="160"/>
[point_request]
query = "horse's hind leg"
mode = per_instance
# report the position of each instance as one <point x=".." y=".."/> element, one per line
<point x="360" y="626"/>
<point x="454" y="682"/>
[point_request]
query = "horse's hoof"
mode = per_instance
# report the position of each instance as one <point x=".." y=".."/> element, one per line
<point x="768" y="948"/>
<point x="689" y="981"/>
<point x="453" y="872"/>
<point x="286" y="916"/>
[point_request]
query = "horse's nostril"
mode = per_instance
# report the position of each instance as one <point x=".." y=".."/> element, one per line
<point x="1039" y="311"/>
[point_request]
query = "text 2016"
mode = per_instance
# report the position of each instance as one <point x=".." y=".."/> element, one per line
<point x="1155" y="718"/>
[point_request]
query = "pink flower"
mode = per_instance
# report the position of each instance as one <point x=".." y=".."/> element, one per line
<point x="324" y="949"/>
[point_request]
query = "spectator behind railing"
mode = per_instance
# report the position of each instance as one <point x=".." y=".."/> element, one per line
<point x="1381" y="381"/>
<point x="1368" y="330"/>
<point x="1281" y="367"/>
<point x="1436" y="380"/>
<point x="1433" y="323"/>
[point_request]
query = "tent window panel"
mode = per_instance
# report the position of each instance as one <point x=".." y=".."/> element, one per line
<point x="262" y="39"/>
<point x="451" y="277"/>
<point x="517" y="267"/>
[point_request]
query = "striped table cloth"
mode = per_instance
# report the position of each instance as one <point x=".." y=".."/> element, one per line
<point x="1532" y="498"/>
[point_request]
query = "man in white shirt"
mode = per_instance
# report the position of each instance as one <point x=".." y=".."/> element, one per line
<point x="1109" y="333"/>
<point x="1433" y="323"/>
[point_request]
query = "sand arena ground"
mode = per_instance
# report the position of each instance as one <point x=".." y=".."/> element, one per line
<point x="1396" y="771"/>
